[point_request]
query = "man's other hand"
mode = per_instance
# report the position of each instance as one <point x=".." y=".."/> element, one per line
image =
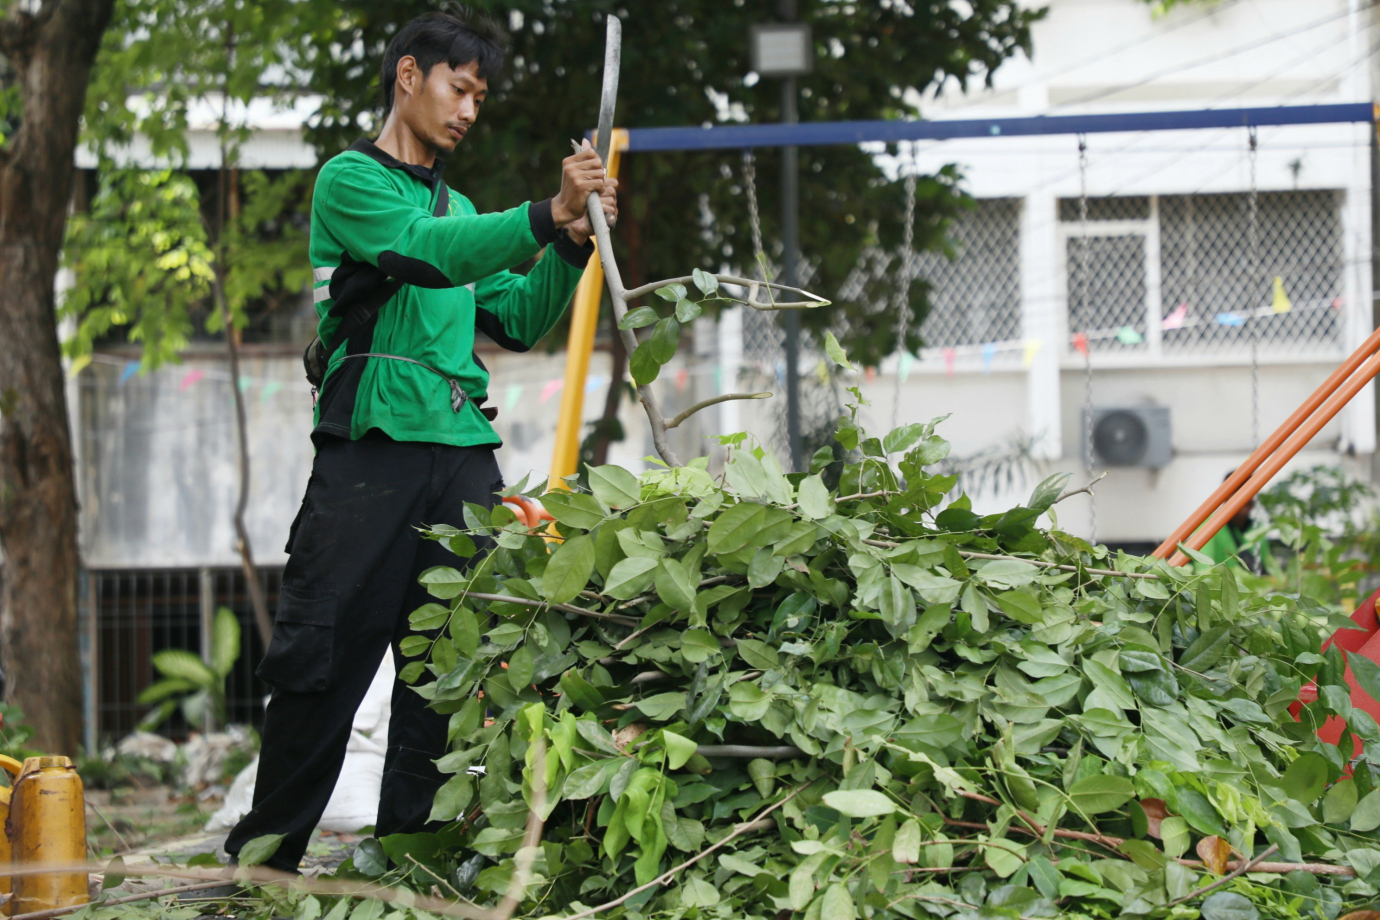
<point x="581" y="173"/>
<point x="580" y="230"/>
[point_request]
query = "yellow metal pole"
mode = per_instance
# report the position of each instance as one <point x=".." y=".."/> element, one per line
<point x="583" y="322"/>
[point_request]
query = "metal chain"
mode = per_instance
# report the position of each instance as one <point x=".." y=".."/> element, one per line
<point x="904" y="277"/>
<point x="1253" y="242"/>
<point x="754" y="218"/>
<point x="1085" y="241"/>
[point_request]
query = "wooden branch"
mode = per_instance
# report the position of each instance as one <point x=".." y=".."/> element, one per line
<point x="713" y="401"/>
<point x="750" y="751"/>
<point x="143" y="896"/>
<point x="531" y="841"/>
<point x="739" y="830"/>
<point x="753" y="287"/>
<point x="1242" y="868"/>
<point x="1087" y="488"/>
<point x="889" y="544"/>
<point x="568" y="608"/>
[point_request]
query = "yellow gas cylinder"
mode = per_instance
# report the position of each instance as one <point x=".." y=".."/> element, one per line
<point x="47" y="824"/>
<point x="12" y="767"/>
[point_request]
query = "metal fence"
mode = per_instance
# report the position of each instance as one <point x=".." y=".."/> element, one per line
<point x="132" y="614"/>
<point x="1181" y="275"/>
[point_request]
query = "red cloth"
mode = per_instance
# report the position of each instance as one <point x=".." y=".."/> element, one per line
<point x="1364" y="641"/>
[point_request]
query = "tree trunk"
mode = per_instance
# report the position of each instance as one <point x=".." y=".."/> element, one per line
<point x="51" y="52"/>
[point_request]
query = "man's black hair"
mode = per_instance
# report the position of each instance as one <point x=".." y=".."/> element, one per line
<point x="452" y="34"/>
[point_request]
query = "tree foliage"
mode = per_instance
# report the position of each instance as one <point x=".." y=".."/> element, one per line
<point x="685" y="62"/>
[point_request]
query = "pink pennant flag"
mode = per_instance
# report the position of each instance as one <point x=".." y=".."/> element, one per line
<point x="950" y="355"/>
<point x="1080" y="343"/>
<point x="551" y="388"/>
<point x="1175" y="320"/>
<point x="682" y="379"/>
<point x="191" y="378"/>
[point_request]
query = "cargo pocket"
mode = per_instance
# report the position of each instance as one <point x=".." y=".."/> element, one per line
<point x="299" y="657"/>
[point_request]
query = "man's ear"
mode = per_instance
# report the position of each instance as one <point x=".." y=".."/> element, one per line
<point x="410" y="76"/>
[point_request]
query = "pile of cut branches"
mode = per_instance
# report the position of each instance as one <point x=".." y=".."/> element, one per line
<point x="765" y="695"/>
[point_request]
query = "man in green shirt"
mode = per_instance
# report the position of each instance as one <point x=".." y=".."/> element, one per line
<point x="406" y="272"/>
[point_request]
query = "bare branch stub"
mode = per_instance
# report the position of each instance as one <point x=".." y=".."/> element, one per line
<point x="712" y="401"/>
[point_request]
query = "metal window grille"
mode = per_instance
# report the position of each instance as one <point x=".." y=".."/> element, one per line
<point x="975" y="297"/>
<point x="1207" y="268"/>
<point x="1176" y="275"/>
<point x="143" y="611"/>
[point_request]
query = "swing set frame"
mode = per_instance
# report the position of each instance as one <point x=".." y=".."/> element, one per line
<point x="1233" y="495"/>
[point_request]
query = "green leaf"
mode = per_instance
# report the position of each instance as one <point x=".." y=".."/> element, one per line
<point x="369" y="858"/>
<point x="859" y="803"/>
<point x="1367" y="674"/>
<point x="679" y="749"/>
<point x="114" y="874"/>
<point x="1095" y="794"/>
<point x="642" y="366"/>
<point x="687" y="311"/>
<point x="179" y="663"/>
<point x="748" y="702"/>
<point x="1228" y="905"/>
<point x="663" y="706"/>
<point x="672" y="292"/>
<point x="837" y="904"/>
<point x="520" y="668"/>
<point x="665" y="340"/>
<point x="905" y="846"/>
<point x="1340" y="802"/>
<point x="674" y="584"/>
<point x="1306" y="777"/>
<point x="814" y="498"/>
<point x="630" y="577"/>
<point x="225" y="642"/>
<point x="1206" y="649"/>
<point x="835" y="351"/>
<point x="1175" y="836"/>
<point x="637" y="318"/>
<point x="764" y="568"/>
<point x="758" y="654"/>
<point x="696" y="892"/>
<point x="589" y="780"/>
<point x="1048" y="492"/>
<point x="261" y="849"/>
<point x="903" y="438"/>
<point x="428" y="616"/>
<point x="1366" y="817"/>
<point x="411" y="646"/>
<point x="736" y="527"/>
<point x="568" y="570"/>
<point x="577" y="509"/>
<point x="706" y="282"/>
<point x="1021" y="606"/>
<point x="453" y="798"/>
<point x="614" y="486"/>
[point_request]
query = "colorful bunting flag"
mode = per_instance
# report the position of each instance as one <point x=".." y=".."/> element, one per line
<point x="1176" y="317"/>
<point x="1280" y="303"/>
<point x="551" y="388"/>
<point x="246" y="383"/>
<point x="1128" y="336"/>
<point x="1229" y="319"/>
<point x="596" y="383"/>
<point x="1032" y="348"/>
<point x="131" y="368"/>
<point x="950" y="356"/>
<point x="907" y="361"/>
<point x="989" y="351"/>
<point x="273" y="386"/>
<point x="511" y="397"/>
<point x="682" y="380"/>
<point x="1080" y="343"/>
<point x="191" y="378"/>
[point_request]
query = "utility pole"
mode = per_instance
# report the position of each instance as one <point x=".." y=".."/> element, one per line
<point x="785" y="50"/>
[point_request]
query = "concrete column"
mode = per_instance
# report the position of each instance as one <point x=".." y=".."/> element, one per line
<point x="1043" y="318"/>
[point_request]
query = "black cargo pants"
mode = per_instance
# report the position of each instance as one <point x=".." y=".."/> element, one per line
<point x="349" y="586"/>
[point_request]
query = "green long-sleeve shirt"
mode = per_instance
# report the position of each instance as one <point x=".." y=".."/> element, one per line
<point x="372" y="209"/>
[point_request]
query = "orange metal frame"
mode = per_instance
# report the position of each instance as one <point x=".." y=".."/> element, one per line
<point x="1278" y="449"/>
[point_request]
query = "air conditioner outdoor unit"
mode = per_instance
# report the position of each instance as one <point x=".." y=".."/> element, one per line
<point x="1131" y="436"/>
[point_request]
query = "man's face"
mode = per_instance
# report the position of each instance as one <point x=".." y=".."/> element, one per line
<point x="444" y="104"/>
